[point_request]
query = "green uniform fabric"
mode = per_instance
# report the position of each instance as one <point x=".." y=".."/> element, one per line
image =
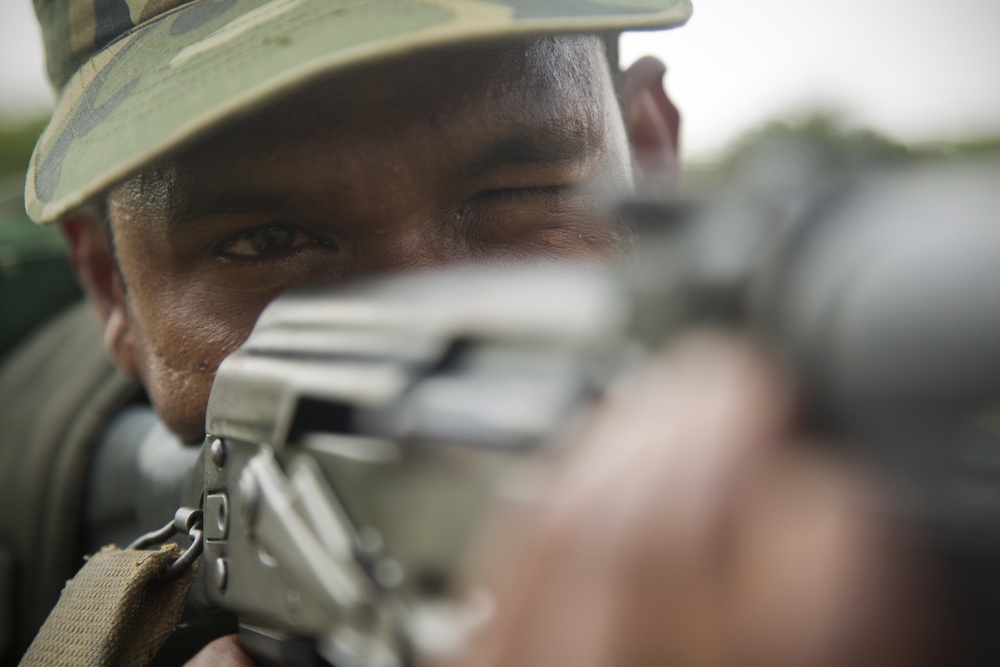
<point x="58" y="392"/>
<point x="139" y="78"/>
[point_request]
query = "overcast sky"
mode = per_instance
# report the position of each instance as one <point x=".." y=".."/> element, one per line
<point x="918" y="70"/>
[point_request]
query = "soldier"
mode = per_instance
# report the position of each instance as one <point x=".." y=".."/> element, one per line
<point x="207" y="155"/>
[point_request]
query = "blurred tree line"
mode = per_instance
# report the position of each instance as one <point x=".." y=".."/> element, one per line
<point x="832" y="136"/>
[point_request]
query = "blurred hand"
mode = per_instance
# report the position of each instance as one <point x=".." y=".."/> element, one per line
<point x="223" y="652"/>
<point x="688" y="528"/>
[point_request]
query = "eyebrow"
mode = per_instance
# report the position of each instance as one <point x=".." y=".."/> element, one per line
<point x="531" y="147"/>
<point x="229" y="201"/>
<point x="536" y="148"/>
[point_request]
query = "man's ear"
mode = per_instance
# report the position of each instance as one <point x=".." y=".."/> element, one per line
<point x="92" y="258"/>
<point x="654" y="123"/>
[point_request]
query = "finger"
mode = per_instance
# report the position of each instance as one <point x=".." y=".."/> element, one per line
<point x="222" y="652"/>
<point x="700" y="412"/>
<point x="820" y="574"/>
<point x="663" y="445"/>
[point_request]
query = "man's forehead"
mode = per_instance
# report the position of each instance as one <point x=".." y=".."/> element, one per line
<point x="543" y="79"/>
<point x="518" y="103"/>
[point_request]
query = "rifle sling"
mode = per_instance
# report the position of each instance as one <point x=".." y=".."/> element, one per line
<point x="115" y="611"/>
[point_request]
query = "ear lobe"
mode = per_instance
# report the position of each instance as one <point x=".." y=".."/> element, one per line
<point x="92" y="258"/>
<point x="654" y="123"/>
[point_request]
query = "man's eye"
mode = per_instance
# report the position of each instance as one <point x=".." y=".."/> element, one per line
<point x="267" y="240"/>
<point x="510" y="194"/>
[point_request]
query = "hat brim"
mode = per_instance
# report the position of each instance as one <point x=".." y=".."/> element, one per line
<point x="188" y="70"/>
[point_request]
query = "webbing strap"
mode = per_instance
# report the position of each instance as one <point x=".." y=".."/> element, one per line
<point x="115" y="611"/>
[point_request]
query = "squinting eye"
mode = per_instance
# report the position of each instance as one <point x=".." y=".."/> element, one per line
<point x="267" y="240"/>
<point x="508" y="194"/>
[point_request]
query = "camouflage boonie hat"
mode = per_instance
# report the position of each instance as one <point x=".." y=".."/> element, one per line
<point x="138" y="78"/>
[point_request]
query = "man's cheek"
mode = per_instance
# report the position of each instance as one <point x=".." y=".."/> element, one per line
<point x="179" y="397"/>
<point x="595" y="242"/>
<point x="181" y="345"/>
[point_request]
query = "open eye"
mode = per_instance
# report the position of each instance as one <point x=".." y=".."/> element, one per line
<point x="266" y="240"/>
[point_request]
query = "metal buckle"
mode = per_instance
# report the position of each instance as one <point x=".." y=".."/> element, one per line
<point x="186" y="520"/>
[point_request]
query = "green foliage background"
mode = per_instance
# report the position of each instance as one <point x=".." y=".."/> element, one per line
<point x="17" y="139"/>
<point x="837" y="137"/>
<point x="35" y="279"/>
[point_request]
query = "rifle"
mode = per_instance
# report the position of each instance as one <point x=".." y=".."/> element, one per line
<point x="359" y="435"/>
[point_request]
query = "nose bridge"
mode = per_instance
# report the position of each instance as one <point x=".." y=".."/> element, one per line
<point x="401" y="227"/>
<point x="403" y="241"/>
<point x="398" y="202"/>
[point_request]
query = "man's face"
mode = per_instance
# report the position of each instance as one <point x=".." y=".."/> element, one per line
<point x="493" y="154"/>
